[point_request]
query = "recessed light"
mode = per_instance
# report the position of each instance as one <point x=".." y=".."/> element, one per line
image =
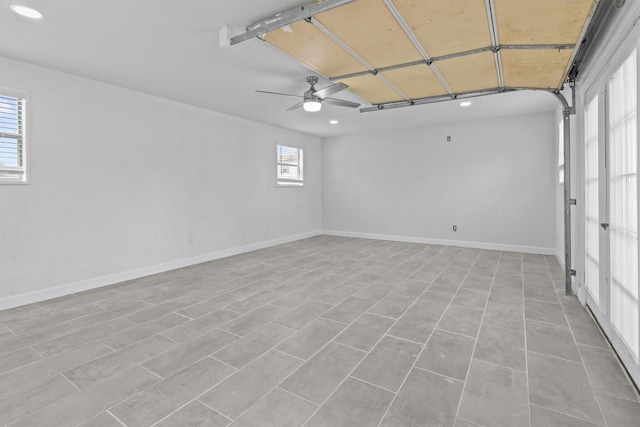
<point x="465" y="103"/>
<point x="26" y="11"/>
<point x="333" y="122"/>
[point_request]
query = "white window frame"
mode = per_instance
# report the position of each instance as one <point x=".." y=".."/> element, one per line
<point x="561" y="152"/>
<point x="282" y="181"/>
<point x="23" y="136"/>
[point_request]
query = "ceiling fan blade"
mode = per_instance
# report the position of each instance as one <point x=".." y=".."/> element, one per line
<point x="277" y="93"/>
<point x="330" y="90"/>
<point x="295" y="107"/>
<point x="340" y="102"/>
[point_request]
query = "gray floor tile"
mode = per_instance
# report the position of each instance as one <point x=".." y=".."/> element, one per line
<point x="471" y="299"/>
<point x="84" y="405"/>
<point x="477" y="283"/>
<point x="203" y="324"/>
<point x="504" y="316"/>
<point x="323" y="373"/>
<point x="425" y="399"/>
<point x="388" y="363"/>
<point x="354" y="404"/>
<point x="506" y="296"/>
<point x="143" y="331"/>
<point x="162" y="309"/>
<point x="105" y="419"/>
<point x="304" y="277"/>
<point x="32" y="325"/>
<point x="207" y="306"/>
<point x="446" y="284"/>
<point x="195" y="414"/>
<point x="303" y="315"/>
<point x="179" y="358"/>
<point x="495" y="396"/>
<point x="290" y="301"/>
<point x="504" y="347"/>
<point x="461" y="320"/>
<point x="619" y="412"/>
<point x="244" y="388"/>
<point x="392" y="305"/>
<point x="411" y="288"/>
<point x="253" y="320"/>
<point x="552" y="340"/>
<point x="426" y="276"/>
<point x="81" y="337"/>
<point x="562" y="386"/>
<point x="29" y="399"/>
<point x="464" y="423"/>
<point x="544" y="312"/>
<point x="514" y="282"/>
<point x="543" y="417"/>
<point x="365" y="332"/>
<point x="337" y="294"/>
<point x="109" y="365"/>
<point x="33" y="374"/>
<point x="311" y="338"/>
<point x="11" y="361"/>
<point x="252" y="346"/>
<point x="277" y="409"/>
<point x="253" y="302"/>
<point x="417" y="323"/>
<point x="605" y="373"/>
<point x="585" y="330"/>
<point x="447" y="354"/>
<point x="546" y="293"/>
<point x="348" y="310"/>
<point x="116" y="312"/>
<point x="155" y="403"/>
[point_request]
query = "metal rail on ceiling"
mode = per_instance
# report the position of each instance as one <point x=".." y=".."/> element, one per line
<point x="493" y="30"/>
<point x="430" y="61"/>
<point x="405" y="27"/>
<point x="287" y="17"/>
<point x="357" y="57"/>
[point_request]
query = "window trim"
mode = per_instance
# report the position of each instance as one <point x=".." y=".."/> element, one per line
<point x="26" y="143"/>
<point x="284" y="182"/>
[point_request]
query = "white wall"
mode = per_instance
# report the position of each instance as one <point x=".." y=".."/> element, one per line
<point x="495" y="181"/>
<point x="120" y="180"/>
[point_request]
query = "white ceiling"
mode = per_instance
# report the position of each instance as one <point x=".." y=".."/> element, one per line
<point x="169" y="48"/>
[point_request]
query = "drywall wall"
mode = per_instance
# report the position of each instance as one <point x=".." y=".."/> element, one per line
<point x="494" y="180"/>
<point x="121" y="181"/>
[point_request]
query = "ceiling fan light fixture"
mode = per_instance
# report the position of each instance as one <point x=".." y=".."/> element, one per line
<point x="25" y="11"/>
<point x="312" y="106"/>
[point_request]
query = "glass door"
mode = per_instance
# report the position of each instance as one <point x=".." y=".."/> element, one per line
<point x="611" y="211"/>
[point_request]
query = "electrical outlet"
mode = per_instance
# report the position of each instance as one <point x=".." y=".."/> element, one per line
<point x="190" y="241"/>
<point x="448" y="139"/>
<point x="455" y="228"/>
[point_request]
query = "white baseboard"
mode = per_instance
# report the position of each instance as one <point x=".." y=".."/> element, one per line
<point x="560" y="258"/>
<point x="443" y="242"/>
<point x="98" y="282"/>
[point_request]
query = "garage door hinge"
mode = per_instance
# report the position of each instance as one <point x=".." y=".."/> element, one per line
<point x="573" y="272"/>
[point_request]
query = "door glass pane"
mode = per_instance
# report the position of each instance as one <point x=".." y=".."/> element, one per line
<point x="623" y="214"/>
<point x="592" y="223"/>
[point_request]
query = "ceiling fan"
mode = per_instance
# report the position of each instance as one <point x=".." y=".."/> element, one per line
<point x="313" y="99"/>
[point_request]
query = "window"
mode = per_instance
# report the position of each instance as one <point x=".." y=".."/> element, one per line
<point x="289" y="165"/>
<point x="561" y="151"/>
<point x="12" y="138"/>
<point x="623" y="193"/>
<point x="591" y="202"/>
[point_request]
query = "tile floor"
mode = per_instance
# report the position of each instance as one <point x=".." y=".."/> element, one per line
<point x="326" y="331"/>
